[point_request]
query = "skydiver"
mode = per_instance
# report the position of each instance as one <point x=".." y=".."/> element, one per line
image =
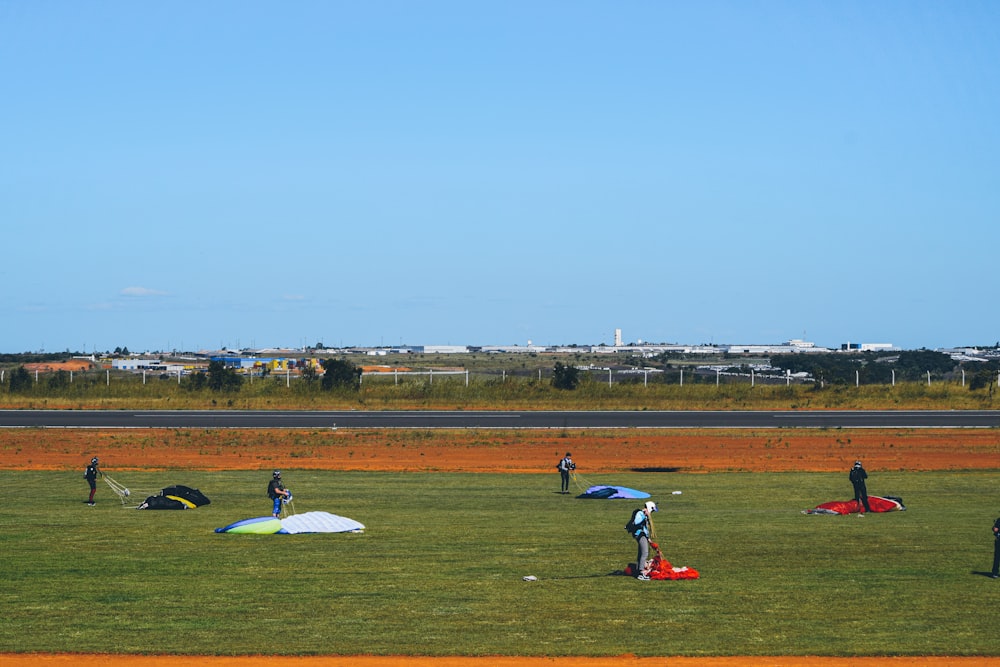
<point x="858" y="477"/>
<point x="640" y="527"/>
<point x="565" y="466"/>
<point x="91" y="476"/>
<point x="277" y="492"/>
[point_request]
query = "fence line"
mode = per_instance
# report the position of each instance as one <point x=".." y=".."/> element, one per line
<point x="678" y="376"/>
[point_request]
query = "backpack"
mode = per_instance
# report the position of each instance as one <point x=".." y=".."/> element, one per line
<point x="632" y="526"/>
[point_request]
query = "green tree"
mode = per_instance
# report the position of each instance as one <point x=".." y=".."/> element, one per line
<point x="565" y="377"/>
<point x="981" y="379"/>
<point x="340" y="373"/>
<point x="58" y="380"/>
<point x="223" y="378"/>
<point x="309" y="373"/>
<point x="915" y="364"/>
<point x="20" y="380"/>
<point x="196" y="381"/>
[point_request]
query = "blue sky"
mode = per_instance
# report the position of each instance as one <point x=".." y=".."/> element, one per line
<point x="232" y="174"/>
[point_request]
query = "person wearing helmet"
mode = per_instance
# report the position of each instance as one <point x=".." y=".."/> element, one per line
<point x="640" y="527"/>
<point x="858" y="477"/>
<point x="277" y="492"/>
<point x="91" y="476"/>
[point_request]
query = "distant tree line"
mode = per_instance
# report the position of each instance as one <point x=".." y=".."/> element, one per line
<point x="218" y="377"/>
<point x="883" y="367"/>
<point x="337" y="374"/>
<point x="869" y="368"/>
<point x="33" y="357"/>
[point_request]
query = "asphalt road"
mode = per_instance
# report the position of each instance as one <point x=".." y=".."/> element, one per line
<point x="110" y="419"/>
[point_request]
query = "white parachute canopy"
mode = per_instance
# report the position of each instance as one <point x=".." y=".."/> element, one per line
<point x="320" y="522"/>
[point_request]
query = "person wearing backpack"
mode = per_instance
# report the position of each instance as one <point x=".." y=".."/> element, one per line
<point x="640" y="527"/>
<point x="91" y="476"/>
<point x="277" y="492"/>
<point x="858" y="477"/>
<point x="565" y="466"/>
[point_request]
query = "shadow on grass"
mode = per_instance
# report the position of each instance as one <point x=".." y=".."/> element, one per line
<point x="616" y="573"/>
<point x="988" y="575"/>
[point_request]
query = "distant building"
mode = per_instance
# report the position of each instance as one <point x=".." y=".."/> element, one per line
<point x="867" y="347"/>
<point x="514" y="349"/>
<point x="135" y="364"/>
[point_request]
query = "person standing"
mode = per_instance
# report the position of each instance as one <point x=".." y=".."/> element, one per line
<point x="565" y="466"/>
<point x="277" y="492"/>
<point x="995" y="572"/>
<point x="641" y="527"/>
<point x="90" y="474"/>
<point x="858" y="477"/>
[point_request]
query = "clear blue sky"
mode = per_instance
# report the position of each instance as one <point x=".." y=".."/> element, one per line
<point x="196" y="175"/>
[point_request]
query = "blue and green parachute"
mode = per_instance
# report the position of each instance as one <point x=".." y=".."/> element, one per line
<point x="307" y="522"/>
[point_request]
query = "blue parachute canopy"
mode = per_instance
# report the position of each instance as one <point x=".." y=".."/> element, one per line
<point x="604" y="492"/>
<point x="307" y="522"/>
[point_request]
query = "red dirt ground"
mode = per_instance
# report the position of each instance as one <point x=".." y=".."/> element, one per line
<point x="525" y="451"/>
<point x="497" y="451"/>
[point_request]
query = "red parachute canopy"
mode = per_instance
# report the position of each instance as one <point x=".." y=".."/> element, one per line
<point x="877" y="503"/>
<point x="660" y="568"/>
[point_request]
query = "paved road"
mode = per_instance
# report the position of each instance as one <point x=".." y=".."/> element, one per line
<point x="487" y="419"/>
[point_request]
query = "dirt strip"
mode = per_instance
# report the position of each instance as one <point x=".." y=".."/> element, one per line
<point x="514" y="451"/>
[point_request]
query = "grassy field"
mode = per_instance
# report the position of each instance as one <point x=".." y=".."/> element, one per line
<point x="439" y="570"/>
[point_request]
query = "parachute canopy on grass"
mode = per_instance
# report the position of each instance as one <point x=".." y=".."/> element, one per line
<point x="606" y="492"/>
<point x="307" y="522"/>
<point x="660" y="568"/>
<point x="877" y="503"/>
<point x="175" y="497"/>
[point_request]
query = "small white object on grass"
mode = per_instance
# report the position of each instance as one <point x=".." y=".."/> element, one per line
<point x="530" y="578"/>
<point x="675" y="493"/>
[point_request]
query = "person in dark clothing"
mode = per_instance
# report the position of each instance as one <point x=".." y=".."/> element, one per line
<point x="642" y="530"/>
<point x="995" y="572"/>
<point x="277" y="492"/>
<point x="91" y="476"/>
<point x="858" y="477"/>
<point x="565" y="466"/>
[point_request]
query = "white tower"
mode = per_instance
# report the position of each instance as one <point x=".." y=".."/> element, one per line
<point x="618" y="337"/>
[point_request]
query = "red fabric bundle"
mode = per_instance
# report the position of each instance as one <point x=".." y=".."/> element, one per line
<point x="661" y="568"/>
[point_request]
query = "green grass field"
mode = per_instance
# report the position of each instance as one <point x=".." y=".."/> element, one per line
<point x="439" y="570"/>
